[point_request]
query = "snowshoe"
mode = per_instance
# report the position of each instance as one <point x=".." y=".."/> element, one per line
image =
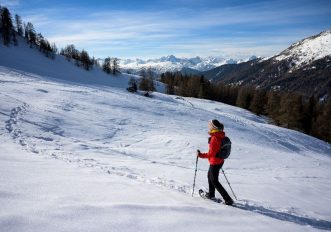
<point x="206" y="196"/>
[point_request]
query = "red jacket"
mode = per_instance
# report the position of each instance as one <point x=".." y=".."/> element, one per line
<point x="215" y="144"/>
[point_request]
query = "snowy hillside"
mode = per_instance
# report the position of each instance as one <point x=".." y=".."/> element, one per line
<point x="172" y="63"/>
<point x="307" y="50"/>
<point x="91" y="158"/>
<point x="22" y="57"/>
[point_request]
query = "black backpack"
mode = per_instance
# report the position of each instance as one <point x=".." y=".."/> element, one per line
<point x="225" y="148"/>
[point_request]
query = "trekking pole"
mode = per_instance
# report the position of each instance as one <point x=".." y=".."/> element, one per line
<point x="229" y="184"/>
<point x="195" y="174"/>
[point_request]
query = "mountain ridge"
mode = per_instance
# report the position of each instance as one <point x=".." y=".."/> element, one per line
<point x="173" y="63"/>
<point x="304" y="67"/>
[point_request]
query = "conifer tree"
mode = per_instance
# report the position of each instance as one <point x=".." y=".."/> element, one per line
<point x="6" y="26"/>
<point x="39" y="39"/>
<point x="203" y="88"/>
<point x="310" y="108"/>
<point x="245" y="97"/>
<point x="170" y="81"/>
<point x="26" y="34"/>
<point x="321" y="128"/>
<point x="31" y="34"/>
<point x="146" y="83"/>
<point x="14" y="38"/>
<point x="19" y="25"/>
<point x="115" y="66"/>
<point x="132" y="85"/>
<point x="296" y="116"/>
<point x="106" y="66"/>
<point x="258" y="102"/>
<point x="273" y="104"/>
<point x="85" y="59"/>
<point x="291" y="111"/>
<point x="54" y="50"/>
<point x="191" y="86"/>
<point x="70" y="52"/>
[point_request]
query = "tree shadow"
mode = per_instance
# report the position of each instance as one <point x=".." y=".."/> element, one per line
<point x="300" y="220"/>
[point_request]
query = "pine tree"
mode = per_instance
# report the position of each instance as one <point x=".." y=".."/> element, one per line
<point x="39" y="39"/>
<point x="245" y="97"/>
<point x="146" y="82"/>
<point x="106" y="66"/>
<point x="26" y="33"/>
<point x="258" y="102"/>
<point x="31" y="34"/>
<point x="322" y="126"/>
<point x="170" y="81"/>
<point x="85" y="59"/>
<point x="6" y="26"/>
<point x="309" y="114"/>
<point x="191" y="86"/>
<point x="15" y="39"/>
<point x="54" y="50"/>
<point x="296" y="115"/>
<point x="291" y="111"/>
<point x="273" y="105"/>
<point x="115" y="66"/>
<point x="70" y="52"/>
<point x="132" y="85"/>
<point x="203" y="88"/>
<point x="181" y="83"/>
<point x="19" y="25"/>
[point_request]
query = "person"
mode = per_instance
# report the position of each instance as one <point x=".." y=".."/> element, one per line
<point x="215" y="142"/>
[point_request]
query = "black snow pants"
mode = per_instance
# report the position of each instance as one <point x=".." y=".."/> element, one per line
<point x="213" y="182"/>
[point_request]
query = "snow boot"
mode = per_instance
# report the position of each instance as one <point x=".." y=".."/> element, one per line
<point x="229" y="202"/>
<point x="208" y="196"/>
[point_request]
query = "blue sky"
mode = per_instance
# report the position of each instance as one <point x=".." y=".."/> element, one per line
<point x="185" y="28"/>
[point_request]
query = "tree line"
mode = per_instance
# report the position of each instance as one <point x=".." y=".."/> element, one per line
<point x="81" y="58"/>
<point x="111" y="65"/>
<point x="290" y="110"/>
<point x="145" y="83"/>
<point x="11" y="29"/>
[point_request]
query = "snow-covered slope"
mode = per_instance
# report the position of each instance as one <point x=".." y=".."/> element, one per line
<point x="172" y="63"/>
<point x="26" y="59"/>
<point x="91" y="158"/>
<point x="307" y="50"/>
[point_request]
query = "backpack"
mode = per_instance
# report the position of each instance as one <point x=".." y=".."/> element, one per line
<point x="225" y="148"/>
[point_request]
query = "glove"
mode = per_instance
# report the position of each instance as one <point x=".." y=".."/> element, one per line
<point x="198" y="152"/>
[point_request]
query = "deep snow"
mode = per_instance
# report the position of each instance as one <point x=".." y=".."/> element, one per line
<point x="89" y="157"/>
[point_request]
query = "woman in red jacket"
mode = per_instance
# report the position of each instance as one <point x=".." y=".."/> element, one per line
<point x="215" y="143"/>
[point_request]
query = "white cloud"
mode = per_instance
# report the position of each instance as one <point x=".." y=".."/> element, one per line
<point x="179" y="31"/>
<point x="9" y="3"/>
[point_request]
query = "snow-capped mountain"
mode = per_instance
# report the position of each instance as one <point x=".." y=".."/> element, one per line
<point x="173" y="63"/>
<point x="307" y="50"/>
<point x="304" y="67"/>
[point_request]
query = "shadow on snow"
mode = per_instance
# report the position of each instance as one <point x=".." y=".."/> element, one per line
<point x="305" y="221"/>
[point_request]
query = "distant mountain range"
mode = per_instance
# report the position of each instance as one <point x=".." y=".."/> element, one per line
<point x="304" y="67"/>
<point x="173" y="63"/>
